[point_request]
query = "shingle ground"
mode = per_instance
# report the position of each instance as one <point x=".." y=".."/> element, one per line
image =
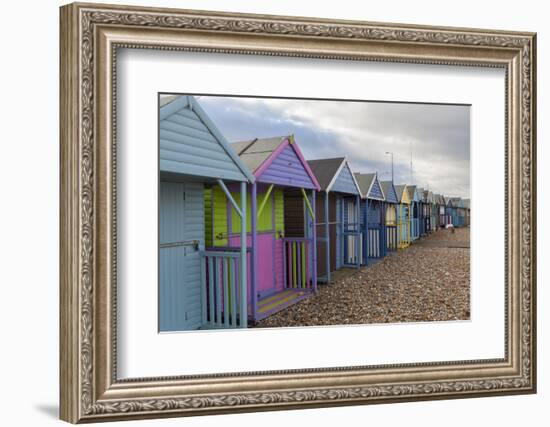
<point x="428" y="281"/>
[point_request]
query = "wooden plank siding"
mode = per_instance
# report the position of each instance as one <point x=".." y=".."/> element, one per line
<point x="344" y="182"/>
<point x="287" y="169"/>
<point x="181" y="220"/>
<point x="191" y="145"/>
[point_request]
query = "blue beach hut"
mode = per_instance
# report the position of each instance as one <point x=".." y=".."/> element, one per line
<point x="414" y="213"/>
<point x="403" y="216"/>
<point x="422" y="230"/>
<point x="338" y="231"/>
<point x="193" y="156"/>
<point x="372" y="217"/>
<point x="390" y="206"/>
<point x="452" y="211"/>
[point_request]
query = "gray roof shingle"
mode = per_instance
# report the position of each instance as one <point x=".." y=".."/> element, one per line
<point x="325" y="169"/>
<point x="364" y="180"/>
<point x="256" y="151"/>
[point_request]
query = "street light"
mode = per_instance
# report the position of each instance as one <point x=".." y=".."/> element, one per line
<point x="390" y="153"/>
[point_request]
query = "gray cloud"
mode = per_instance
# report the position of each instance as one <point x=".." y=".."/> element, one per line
<point x="438" y="135"/>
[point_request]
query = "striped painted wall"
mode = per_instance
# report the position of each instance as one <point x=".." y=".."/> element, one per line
<point x="287" y="169"/>
<point x="374" y="212"/>
<point x="344" y="183"/>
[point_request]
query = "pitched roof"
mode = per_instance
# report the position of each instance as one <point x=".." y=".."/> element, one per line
<point x="167" y="99"/>
<point x="211" y="156"/>
<point x="256" y="151"/>
<point x="365" y="182"/>
<point x="454" y="201"/>
<point x="411" y="190"/>
<point x="386" y="188"/>
<point x="325" y="170"/>
<point x="399" y="191"/>
<point x="426" y="196"/>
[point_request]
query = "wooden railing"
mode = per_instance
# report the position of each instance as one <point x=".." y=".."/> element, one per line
<point x="391" y="237"/>
<point x="415" y="228"/>
<point x="222" y="289"/>
<point x="403" y="233"/>
<point x="297" y="258"/>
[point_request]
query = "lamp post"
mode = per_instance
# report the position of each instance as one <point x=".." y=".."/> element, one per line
<point x="391" y="153"/>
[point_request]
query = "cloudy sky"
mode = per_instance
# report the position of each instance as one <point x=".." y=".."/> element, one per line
<point x="437" y="135"/>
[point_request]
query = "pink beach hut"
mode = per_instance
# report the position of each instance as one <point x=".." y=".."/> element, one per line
<point x="281" y="270"/>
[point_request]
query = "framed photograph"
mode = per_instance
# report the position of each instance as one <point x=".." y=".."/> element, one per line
<point x="268" y="212"/>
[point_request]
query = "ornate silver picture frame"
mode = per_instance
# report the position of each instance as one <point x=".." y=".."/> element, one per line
<point x="91" y="34"/>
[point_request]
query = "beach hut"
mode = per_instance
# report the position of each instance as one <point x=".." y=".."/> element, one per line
<point x="338" y="232"/>
<point x="390" y="220"/>
<point x="466" y="212"/>
<point x="372" y="217"/>
<point x="193" y="156"/>
<point x="434" y="212"/>
<point x="441" y="209"/>
<point x="282" y="268"/>
<point x="427" y="203"/>
<point x="461" y="213"/>
<point x="403" y="217"/>
<point x="421" y="212"/>
<point x="452" y="211"/>
<point x="414" y="212"/>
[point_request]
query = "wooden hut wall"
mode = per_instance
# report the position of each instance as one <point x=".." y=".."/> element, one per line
<point x="294" y="220"/>
<point x="414" y="214"/>
<point x="224" y="227"/>
<point x="390" y="220"/>
<point x="403" y="218"/>
<point x="442" y="212"/>
<point x="433" y="216"/>
<point x="189" y="147"/>
<point x="391" y="226"/>
<point x="294" y="213"/>
<point x="339" y="232"/>
<point x="374" y="238"/>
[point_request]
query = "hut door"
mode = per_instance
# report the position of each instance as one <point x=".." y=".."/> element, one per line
<point x="352" y="222"/>
<point x="181" y="235"/>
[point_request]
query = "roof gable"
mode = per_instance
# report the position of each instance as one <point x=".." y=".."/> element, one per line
<point x="191" y="144"/>
<point x="344" y="181"/>
<point x="255" y="152"/>
<point x="326" y="170"/>
<point x="277" y="161"/>
<point x="370" y="186"/>
<point x="412" y="193"/>
<point x="376" y="191"/>
<point x="389" y="191"/>
<point x="402" y="194"/>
